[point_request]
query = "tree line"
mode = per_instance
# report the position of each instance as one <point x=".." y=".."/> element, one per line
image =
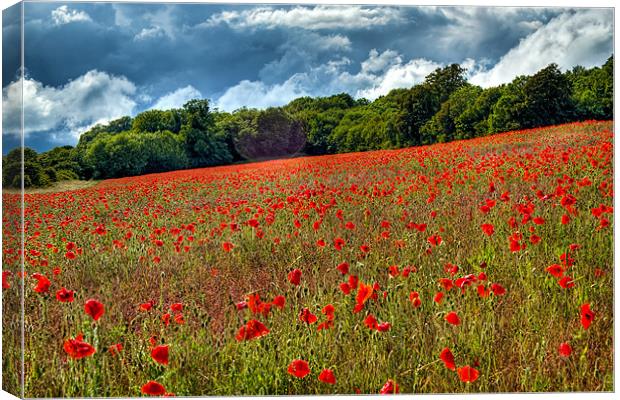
<point x="442" y="108"/>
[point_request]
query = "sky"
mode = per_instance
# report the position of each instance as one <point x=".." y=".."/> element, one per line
<point x="89" y="63"/>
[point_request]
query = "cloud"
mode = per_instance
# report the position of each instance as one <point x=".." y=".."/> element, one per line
<point x="583" y="37"/>
<point x="95" y="97"/>
<point x="63" y="15"/>
<point x="378" y="74"/>
<point x="149" y="33"/>
<point x="177" y="98"/>
<point x="256" y="94"/>
<point x="311" y="18"/>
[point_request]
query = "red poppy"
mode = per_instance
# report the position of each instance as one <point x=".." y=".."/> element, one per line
<point x="179" y="319"/>
<point x="328" y="311"/>
<point x="146" y="306"/>
<point x="453" y="318"/>
<point x="565" y="350"/>
<point x="498" y="289"/>
<point x="346" y="289"/>
<point x="587" y="316"/>
<point x="5" y="282"/>
<point x="365" y="248"/>
<point x="77" y="348"/>
<point x="565" y="219"/>
<point x="371" y="322"/>
<point x="279" y="301"/>
<point x="70" y="255"/>
<point x="153" y="388"/>
<point x="227" y="246"/>
<point x="390" y="387"/>
<point x="115" y="348"/>
<point x="393" y="271"/>
<point x="438" y="297"/>
<point x="448" y="358"/>
<point x="343" y="268"/>
<point x="339" y="243"/>
<point x="43" y="284"/>
<point x="160" y="354"/>
<point x="327" y="376"/>
<point x="306" y="316"/>
<point x="468" y="374"/>
<point x="566" y="282"/>
<point x="176" y="307"/>
<point x="556" y="270"/>
<point x="94" y="308"/>
<point x="166" y="319"/>
<point x="295" y="277"/>
<point x="241" y="305"/>
<point x="446" y="283"/>
<point x="384" y="327"/>
<point x="298" y="368"/>
<point x="64" y="295"/>
<point x="363" y="294"/>
<point x="488" y="229"/>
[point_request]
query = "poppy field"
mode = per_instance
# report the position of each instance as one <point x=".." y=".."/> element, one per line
<point x="472" y="266"/>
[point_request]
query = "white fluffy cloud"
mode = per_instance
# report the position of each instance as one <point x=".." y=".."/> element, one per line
<point x="149" y="33"/>
<point x="95" y="97"/>
<point x="319" y="17"/>
<point x="177" y="98"/>
<point x="378" y="74"/>
<point x="256" y="94"/>
<point x="63" y="15"/>
<point x="573" y="38"/>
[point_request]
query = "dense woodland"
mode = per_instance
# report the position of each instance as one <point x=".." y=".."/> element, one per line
<point x="444" y="107"/>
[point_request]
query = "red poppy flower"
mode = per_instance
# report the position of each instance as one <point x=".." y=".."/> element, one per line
<point x="166" y="319"/>
<point x="328" y="311"/>
<point x="483" y="291"/>
<point x="77" y="348"/>
<point x="448" y="358"/>
<point x="241" y="305"/>
<point x="488" y="229"/>
<point x="346" y="289"/>
<point x="279" y="301"/>
<point x="587" y="316"/>
<point x="153" y="388"/>
<point x="438" y="297"/>
<point x="446" y="283"/>
<point x="327" y="376"/>
<point x="566" y="282"/>
<point x="306" y="316"/>
<point x="93" y="308"/>
<point x="298" y="368"/>
<point x="43" y="284"/>
<point x="295" y="277"/>
<point x="390" y="387"/>
<point x="115" y="348"/>
<point x="556" y="270"/>
<point x="70" y="255"/>
<point x="453" y="318"/>
<point x="353" y="281"/>
<point x="343" y="268"/>
<point x="384" y="327"/>
<point x="160" y="354"/>
<point x="365" y="248"/>
<point x="5" y="282"/>
<point x="468" y="374"/>
<point x="179" y="319"/>
<point x="565" y="219"/>
<point x="176" y="307"/>
<point x="498" y="289"/>
<point x="565" y="350"/>
<point x="339" y="243"/>
<point x="363" y="294"/>
<point x="64" y="295"/>
<point x="371" y="322"/>
<point x="146" y="306"/>
<point x="227" y="246"/>
<point x="393" y="271"/>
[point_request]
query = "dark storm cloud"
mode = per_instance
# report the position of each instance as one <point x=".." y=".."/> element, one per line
<point x="147" y="54"/>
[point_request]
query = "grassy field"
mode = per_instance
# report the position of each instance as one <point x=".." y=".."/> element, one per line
<point x="514" y="230"/>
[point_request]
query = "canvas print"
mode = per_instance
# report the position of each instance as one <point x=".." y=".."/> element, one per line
<point x="224" y="199"/>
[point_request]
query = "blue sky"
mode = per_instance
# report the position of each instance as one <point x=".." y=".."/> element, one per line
<point x="88" y="63"/>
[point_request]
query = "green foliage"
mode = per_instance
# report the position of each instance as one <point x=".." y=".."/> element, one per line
<point x="592" y="91"/>
<point x="157" y="120"/>
<point x="268" y="133"/>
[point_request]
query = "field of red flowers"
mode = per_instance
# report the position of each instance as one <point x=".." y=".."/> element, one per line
<point x="473" y="266"/>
